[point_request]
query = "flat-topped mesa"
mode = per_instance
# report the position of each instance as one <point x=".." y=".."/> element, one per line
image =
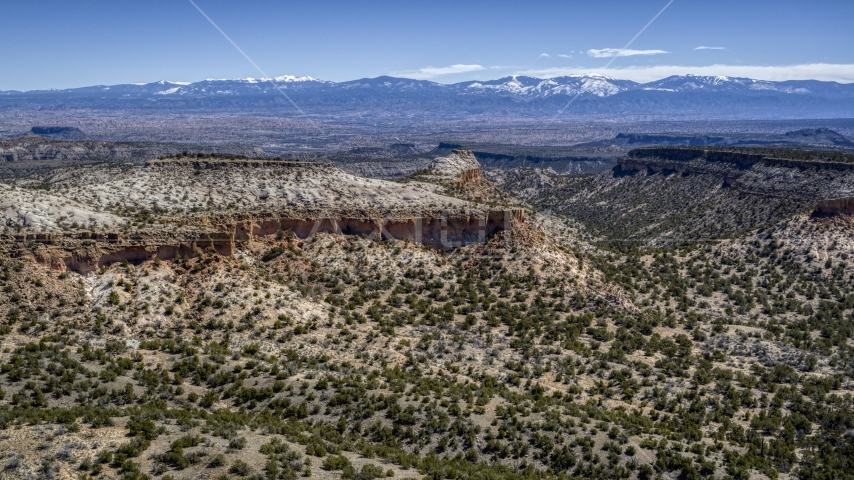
<point x="686" y="154"/>
<point x="705" y="160"/>
<point x="809" y="180"/>
<point x="190" y="205"/>
<point x="37" y="148"/>
<point x="460" y="167"/>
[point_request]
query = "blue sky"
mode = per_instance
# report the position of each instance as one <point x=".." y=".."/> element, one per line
<point x="61" y="44"/>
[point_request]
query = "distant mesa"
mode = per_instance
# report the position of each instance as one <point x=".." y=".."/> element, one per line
<point x="59" y="133"/>
<point x="820" y="135"/>
<point x="809" y="136"/>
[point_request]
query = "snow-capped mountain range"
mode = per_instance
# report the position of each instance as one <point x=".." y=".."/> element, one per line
<point x="515" y="85"/>
<point x="526" y="95"/>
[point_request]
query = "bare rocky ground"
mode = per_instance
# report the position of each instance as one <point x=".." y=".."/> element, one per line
<point x="40" y="211"/>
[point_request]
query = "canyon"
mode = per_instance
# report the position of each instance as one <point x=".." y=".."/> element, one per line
<point x="201" y="316"/>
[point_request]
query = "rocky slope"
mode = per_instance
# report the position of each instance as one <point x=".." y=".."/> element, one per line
<point x="44" y="213"/>
<point x="385" y="167"/>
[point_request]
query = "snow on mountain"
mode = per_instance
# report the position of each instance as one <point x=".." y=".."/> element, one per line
<point x="686" y="83"/>
<point x="516" y="85"/>
<point x="291" y="79"/>
<point x="388" y="83"/>
<point x="281" y="79"/>
<point x="240" y="86"/>
<point x="595" y="84"/>
<point x="682" y="83"/>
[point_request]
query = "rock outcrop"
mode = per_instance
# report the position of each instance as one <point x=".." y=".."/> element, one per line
<point x="42" y="212"/>
<point x="459" y="167"/>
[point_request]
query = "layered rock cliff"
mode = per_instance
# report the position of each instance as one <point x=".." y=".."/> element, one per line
<point x="86" y="251"/>
<point x="835" y="206"/>
<point x="440" y="230"/>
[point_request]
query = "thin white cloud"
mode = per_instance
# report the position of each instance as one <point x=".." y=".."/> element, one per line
<point x="563" y="55"/>
<point x="544" y="55"/>
<point x="836" y="72"/>
<point x="702" y="47"/>
<point x="621" y="52"/>
<point x="433" y="72"/>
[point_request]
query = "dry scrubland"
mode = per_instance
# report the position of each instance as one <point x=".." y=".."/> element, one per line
<point x="109" y="197"/>
<point x="539" y="353"/>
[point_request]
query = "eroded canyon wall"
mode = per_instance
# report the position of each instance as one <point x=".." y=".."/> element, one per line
<point x="441" y="231"/>
<point x="86" y="252"/>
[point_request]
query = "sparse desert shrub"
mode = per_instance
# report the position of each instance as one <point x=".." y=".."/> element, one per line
<point x="336" y="462"/>
<point x="239" y="467"/>
<point x="237" y="443"/>
<point x="272" y="253"/>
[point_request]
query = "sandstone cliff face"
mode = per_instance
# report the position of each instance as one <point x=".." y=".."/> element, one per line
<point x="85" y="252"/>
<point x="441" y="230"/>
<point x="836" y="206"/>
